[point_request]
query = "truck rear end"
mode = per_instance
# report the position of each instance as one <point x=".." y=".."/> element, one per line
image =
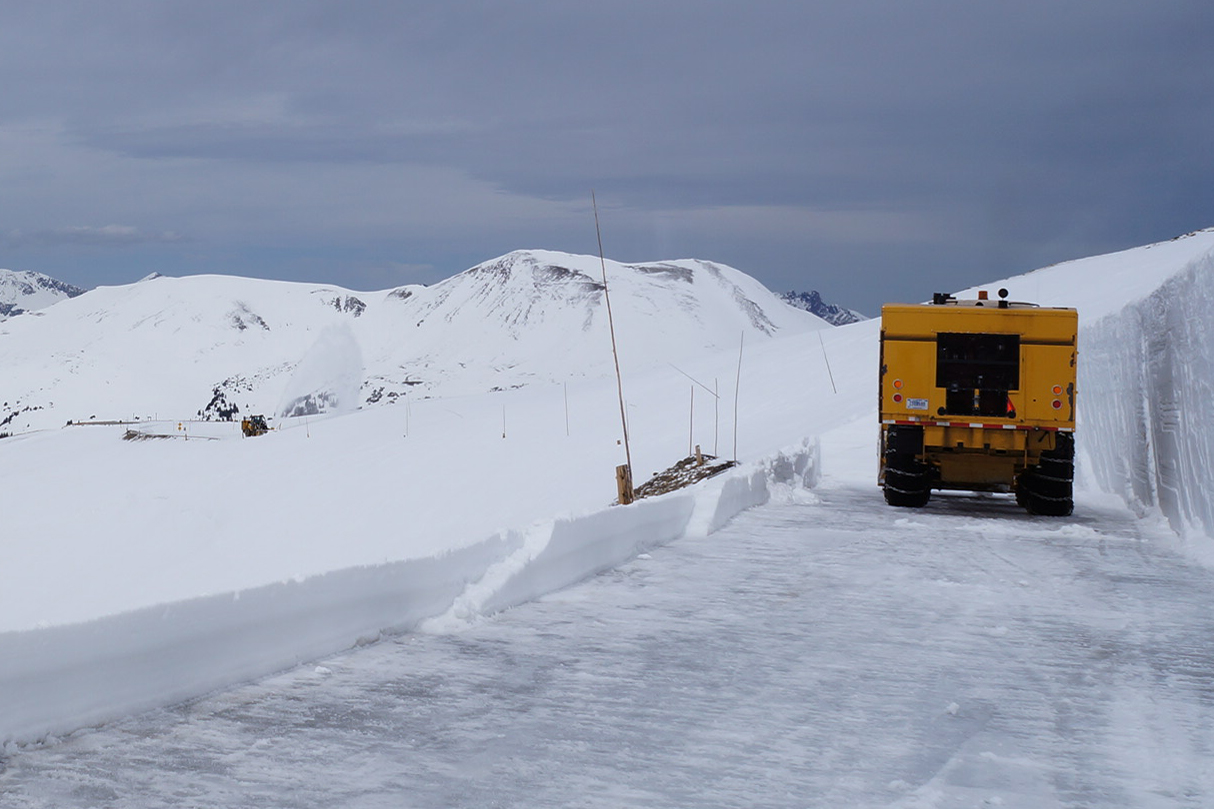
<point x="978" y="395"/>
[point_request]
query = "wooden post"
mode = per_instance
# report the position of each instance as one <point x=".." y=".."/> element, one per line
<point x="623" y="484"/>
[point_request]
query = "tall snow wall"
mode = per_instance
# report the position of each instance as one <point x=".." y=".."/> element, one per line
<point x="1146" y="384"/>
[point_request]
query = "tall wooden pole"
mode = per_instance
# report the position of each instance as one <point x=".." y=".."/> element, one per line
<point x="619" y="380"/>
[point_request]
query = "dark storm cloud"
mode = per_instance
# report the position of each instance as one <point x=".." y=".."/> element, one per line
<point x="1012" y="133"/>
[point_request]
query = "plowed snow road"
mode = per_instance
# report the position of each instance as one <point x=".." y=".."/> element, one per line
<point x="828" y="651"/>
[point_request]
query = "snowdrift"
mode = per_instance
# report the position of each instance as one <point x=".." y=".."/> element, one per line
<point x="59" y="679"/>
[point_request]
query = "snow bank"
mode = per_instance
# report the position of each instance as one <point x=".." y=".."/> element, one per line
<point x="61" y="678"/>
<point x="58" y="679"/>
<point x="1147" y="400"/>
<point x="571" y="549"/>
<point x="1146" y="372"/>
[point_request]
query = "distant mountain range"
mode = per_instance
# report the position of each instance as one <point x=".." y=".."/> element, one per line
<point x="24" y="292"/>
<point x="812" y="302"/>
<point x="222" y="346"/>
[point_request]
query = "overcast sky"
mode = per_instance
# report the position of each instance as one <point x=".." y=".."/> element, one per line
<point x="871" y="150"/>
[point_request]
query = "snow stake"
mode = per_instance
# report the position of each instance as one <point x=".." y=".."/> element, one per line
<point x="626" y="475"/>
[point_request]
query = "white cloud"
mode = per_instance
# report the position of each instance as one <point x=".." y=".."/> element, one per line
<point x="87" y="235"/>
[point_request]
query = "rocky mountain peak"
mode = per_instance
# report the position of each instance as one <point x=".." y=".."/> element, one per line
<point x="23" y="291"/>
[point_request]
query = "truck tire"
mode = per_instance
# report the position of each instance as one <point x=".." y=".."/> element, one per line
<point x="1046" y="506"/>
<point x="1052" y="479"/>
<point x="1048" y="488"/>
<point x="908" y="482"/>
<point x="908" y="488"/>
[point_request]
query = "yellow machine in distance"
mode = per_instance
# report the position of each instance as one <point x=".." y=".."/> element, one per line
<point x="978" y="395"/>
<point x="253" y="426"/>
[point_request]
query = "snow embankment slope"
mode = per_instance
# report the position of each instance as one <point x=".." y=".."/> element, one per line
<point x="61" y="678"/>
<point x="1149" y="384"/>
<point x="1146" y="373"/>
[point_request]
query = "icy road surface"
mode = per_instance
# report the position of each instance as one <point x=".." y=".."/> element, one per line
<point x="831" y="652"/>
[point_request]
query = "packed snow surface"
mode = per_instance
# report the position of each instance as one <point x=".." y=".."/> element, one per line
<point x="151" y="571"/>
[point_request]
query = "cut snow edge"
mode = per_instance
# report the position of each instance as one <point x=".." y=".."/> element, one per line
<point x="58" y="680"/>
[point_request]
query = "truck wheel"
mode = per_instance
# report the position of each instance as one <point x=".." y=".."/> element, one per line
<point x="1052" y="478"/>
<point x="1049" y="506"/>
<point x="1047" y="490"/>
<point x="908" y="481"/>
<point x="907" y="488"/>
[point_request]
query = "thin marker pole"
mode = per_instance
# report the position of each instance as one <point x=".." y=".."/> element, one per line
<point x="691" y="422"/>
<point x="827" y="361"/>
<point x="716" y="415"/>
<point x="737" y="384"/>
<point x="619" y="380"/>
<point x="692" y="378"/>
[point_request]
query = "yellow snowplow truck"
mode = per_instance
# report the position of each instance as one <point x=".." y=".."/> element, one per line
<point x="253" y="426"/>
<point x="978" y="395"/>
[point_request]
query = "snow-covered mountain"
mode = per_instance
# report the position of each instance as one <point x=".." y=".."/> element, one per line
<point x="812" y="302"/>
<point x="22" y="292"/>
<point x="219" y="346"/>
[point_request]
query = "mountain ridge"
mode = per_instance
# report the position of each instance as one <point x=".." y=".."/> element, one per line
<point x="213" y="346"/>
<point x="23" y="292"/>
<point x="812" y="302"/>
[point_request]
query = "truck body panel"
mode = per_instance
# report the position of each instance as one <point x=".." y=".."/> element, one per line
<point x="974" y="394"/>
